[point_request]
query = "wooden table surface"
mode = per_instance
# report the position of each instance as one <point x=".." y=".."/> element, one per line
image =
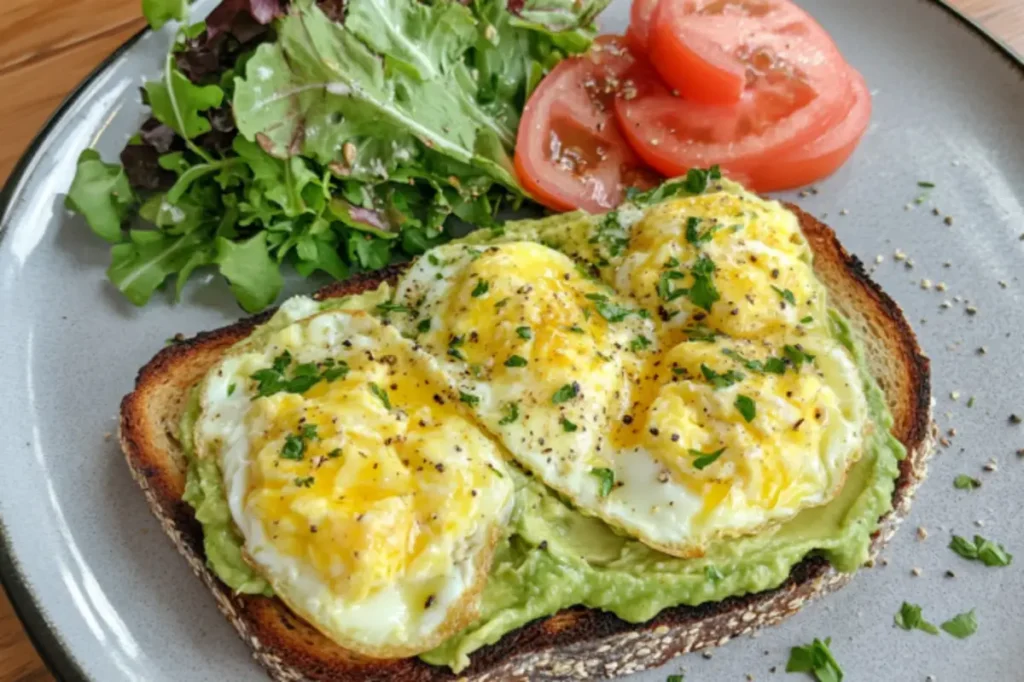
<point x="46" y="48"/>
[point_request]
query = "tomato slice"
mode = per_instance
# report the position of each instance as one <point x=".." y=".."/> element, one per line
<point x="640" y="24"/>
<point x="710" y="51"/>
<point x="673" y="134"/>
<point x="570" y="152"/>
<point x="823" y="156"/>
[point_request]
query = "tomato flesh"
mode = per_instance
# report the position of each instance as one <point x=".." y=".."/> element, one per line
<point x="710" y="51"/>
<point x="821" y="157"/>
<point x="570" y="152"/>
<point x="673" y="134"/>
<point x="640" y="13"/>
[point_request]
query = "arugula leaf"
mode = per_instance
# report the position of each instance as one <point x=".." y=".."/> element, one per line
<point x="962" y="625"/>
<point x="176" y="102"/>
<point x="817" y="659"/>
<point x="320" y="79"/>
<point x="101" y="193"/>
<point x="909" y="618"/>
<point x="418" y="38"/>
<point x="139" y="266"/>
<point x="254" y="276"/>
<point x="159" y="12"/>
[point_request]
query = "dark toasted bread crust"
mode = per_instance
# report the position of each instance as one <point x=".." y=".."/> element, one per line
<point x="576" y="643"/>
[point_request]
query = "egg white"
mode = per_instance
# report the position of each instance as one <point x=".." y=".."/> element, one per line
<point x="381" y="609"/>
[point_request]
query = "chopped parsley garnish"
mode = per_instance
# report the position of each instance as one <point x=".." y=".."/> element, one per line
<point x="746" y="407"/>
<point x="697" y="237"/>
<point x="502" y="303"/>
<point x="797" y="355"/>
<point x="453" y="347"/>
<point x="511" y="414"/>
<point x="469" y="399"/>
<point x="806" y="320"/>
<point x="335" y="453"/>
<point x="817" y="659"/>
<point x="962" y="625"/>
<point x="909" y="618"/>
<point x="925" y="184"/>
<point x="281" y="362"/>
<point x="705" y="459"/>
<point x="785" y="294"/>
<point x="720" y="380"/>
<point x="308" y="432"/>
<point x="576" y="329"/>
<point x="393" y="308"/>
<point x="613" y="312"/>
<point x="524" y="333"/>
<point x="639" y="343"/>
<point x="568" y="426"/>
<point x="700" y="332"/>
<point x="481" y="288"/>
<point x="293" y="447"/>
<point x="775" y="366"/>
<point x="381" y="394"/>
<point x="565" y="393"/>
<point x="665" y="290"/>
<point x="985" y="551"/>
<point x="752" y="365"/>
<point x="703" y="293"/>
<point x="695" y="182"/>
<point x="965" y="482"/>
<point x="423" y="326"/>
<point x="272" y="379"/>
<point x="674" y="678"/>
<point x="515" y="361"/>
<point x="606" y="478"/>
<point x="713" y="574"/>
<point x="672" y="262"/>
<point x="304" y="481"/>
<point x="433" y="260"/>
<point x="231" y="389"/>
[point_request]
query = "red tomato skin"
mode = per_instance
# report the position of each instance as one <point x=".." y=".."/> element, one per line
<point x="689" y="64"/>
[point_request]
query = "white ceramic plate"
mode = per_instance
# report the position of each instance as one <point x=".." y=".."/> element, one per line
<point x="107" y="599"/>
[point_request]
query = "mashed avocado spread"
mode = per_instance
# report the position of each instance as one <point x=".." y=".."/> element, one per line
<point x="555" y="557"/>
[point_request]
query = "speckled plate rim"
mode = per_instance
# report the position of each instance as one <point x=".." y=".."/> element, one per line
<point x="44" y="634"/>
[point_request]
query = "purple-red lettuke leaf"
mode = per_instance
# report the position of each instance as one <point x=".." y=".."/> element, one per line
<point x="230" y="16"/>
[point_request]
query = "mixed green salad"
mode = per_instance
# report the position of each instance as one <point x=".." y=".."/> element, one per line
<point x="333" y="135"/>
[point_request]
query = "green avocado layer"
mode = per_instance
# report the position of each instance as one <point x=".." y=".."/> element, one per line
<point x="556" y="557"/>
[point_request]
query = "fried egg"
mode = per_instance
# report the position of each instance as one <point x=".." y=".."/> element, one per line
<point x="364" y="495"/>
<point x="677" y="443"/>
<point x="544" y="355"/>
<point x="729" y="261"/>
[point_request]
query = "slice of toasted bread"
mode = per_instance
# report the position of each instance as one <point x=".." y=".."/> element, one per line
<point x="576" y="643"/>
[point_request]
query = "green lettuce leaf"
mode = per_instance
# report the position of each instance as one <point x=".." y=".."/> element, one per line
<point x="254" y="276"/>
<point x="139" y="266"/>
<point x="178" y="103"/>
<point x="320" y="87"/>
<point x="101" y="193"/>
<point x="159" y="12"/>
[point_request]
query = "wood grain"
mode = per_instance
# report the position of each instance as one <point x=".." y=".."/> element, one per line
<point x="46" y="48"/>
